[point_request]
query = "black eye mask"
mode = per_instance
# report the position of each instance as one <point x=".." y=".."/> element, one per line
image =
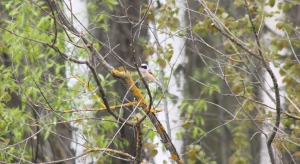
<point x="143" y="66"/>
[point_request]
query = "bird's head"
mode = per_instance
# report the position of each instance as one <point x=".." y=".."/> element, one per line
<point x="144" y="66"/>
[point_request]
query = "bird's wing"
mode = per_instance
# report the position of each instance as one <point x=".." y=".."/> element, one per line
<point x="150" y="72"/>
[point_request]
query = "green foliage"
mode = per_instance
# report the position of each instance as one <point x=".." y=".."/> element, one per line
<point x="12" y="120"/>
<point x="33" y="78"/>
<point x="101" y="19"/>
<point x="167" y="17"/>
<point x="196" y="154"/>
<point x="105" y="82"/>
<point x="239" y="69"/>
<point x="193" y="120"/>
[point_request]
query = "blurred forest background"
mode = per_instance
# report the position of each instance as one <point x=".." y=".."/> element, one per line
<point x="230" y="72"/>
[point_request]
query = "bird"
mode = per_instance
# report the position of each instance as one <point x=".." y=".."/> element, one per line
<point x="148" y="75"/>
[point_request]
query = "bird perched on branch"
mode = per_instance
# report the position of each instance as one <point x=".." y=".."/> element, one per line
<point x="148" y="75"/>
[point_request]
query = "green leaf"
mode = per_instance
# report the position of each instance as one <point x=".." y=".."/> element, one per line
<point x="153" y="152"/>
<point x="46" y="135"/>
<point x="195" y="132"/>
<point x="161" y="62"/>
<point x="271" y="3"/>
<point x="224" y="15"/>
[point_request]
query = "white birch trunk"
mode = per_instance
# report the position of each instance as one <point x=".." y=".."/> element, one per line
<point x="170" y="117"/>
<point x="79" y="9"/>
